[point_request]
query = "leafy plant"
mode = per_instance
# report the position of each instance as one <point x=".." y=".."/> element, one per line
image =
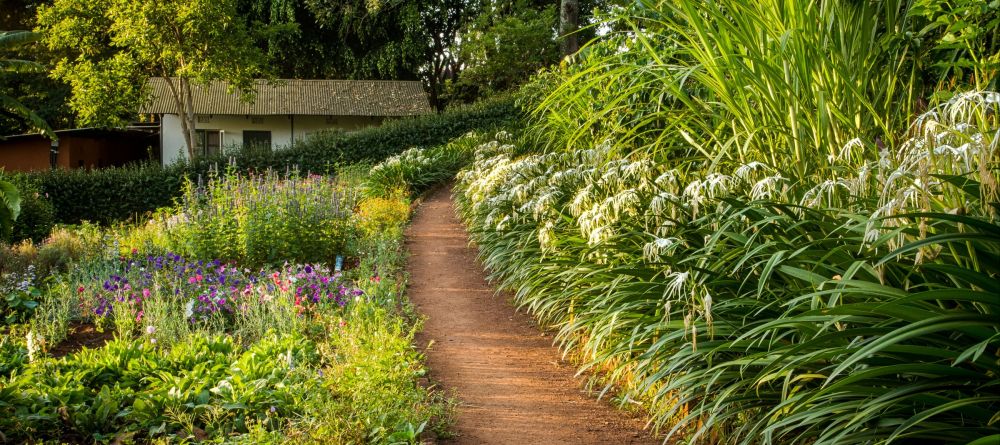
<point x="416" y="170"/>
<point x="8" y="41"/>
<point x="11" y="208"/>
<point x="742" y="306"/>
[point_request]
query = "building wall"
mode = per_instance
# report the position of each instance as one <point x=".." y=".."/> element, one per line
<point x="75" y="151"/>
<point x="24" y="154"/>
<point x="98" y="152"/>
<point x="232" y="127"/>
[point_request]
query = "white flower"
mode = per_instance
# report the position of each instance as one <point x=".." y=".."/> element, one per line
<point x="655" y="249"/>
<point x="744" y="170"/>
<point x="678" y="280"/>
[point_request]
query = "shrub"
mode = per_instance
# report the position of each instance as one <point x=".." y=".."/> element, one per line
<point x="17" y="257"/>
<point x="415" y="170"/>
<point x="264" y="220"/>
<point x="66" y="246"/>
<point x="37" y="214"/>
<point x="375" y="144"/>
<point x="378" y="216"/>
<point x="111" y="194"/>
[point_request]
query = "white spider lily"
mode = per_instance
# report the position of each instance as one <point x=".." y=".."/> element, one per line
<point x="764" y="189"/>
<point x="677" y="284"/>
<point x="655" y="249"/>
<point x="744" y="171"/>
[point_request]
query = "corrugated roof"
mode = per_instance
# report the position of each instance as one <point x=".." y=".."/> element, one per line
<point x="297" y="96"/>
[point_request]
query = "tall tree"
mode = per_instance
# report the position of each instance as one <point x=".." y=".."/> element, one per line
<point x="569" y="22"/>
<point x="444" y="21"/>
<point x="109" y="49"/>
<point x="374" y="39"/>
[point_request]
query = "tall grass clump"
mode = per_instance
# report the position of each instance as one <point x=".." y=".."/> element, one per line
<point x="733" y="82"/>
<point x="749" y="304"/>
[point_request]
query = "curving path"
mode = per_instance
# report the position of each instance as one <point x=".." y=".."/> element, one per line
<point x="511" y="383"/>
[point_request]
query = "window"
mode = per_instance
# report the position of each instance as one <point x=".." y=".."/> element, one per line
<point x="209" y="142"/>
<point x="257" y="140"/>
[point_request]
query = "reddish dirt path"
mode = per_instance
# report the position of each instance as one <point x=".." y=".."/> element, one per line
<point x="511" y="383"/>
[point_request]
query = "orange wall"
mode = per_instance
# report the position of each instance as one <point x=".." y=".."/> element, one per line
<point x="24" y="155"/>
<point x="74" y="152"/>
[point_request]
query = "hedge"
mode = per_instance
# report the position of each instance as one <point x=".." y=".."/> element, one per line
<point x="120" y="193"/>
<point x="37" y="214"/>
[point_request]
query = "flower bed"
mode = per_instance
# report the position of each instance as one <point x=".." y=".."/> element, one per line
<point x="249" y="346"/>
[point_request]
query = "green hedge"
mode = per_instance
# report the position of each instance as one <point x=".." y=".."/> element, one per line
<point x="116" y="194"/>
<point x="37" y="213"/>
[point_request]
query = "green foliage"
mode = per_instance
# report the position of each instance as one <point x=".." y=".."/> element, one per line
<point x="37" y="215"/>
<point x="966" y="45"/>
<point x="110" y="48"/>
<point x="735" y="82"/>
<point x="264" y="220"/>
<point x="10" y="207"/>
<point x="381" y="39"/>
<point x="500" y="53"/>
<point x="416" y="170"/>
<point x="202" y="387"/>
<point x="9" y="40"/>
<point x="317" y="153"/>
<point x="111" y="194"/>
<point x="741" y="306"/>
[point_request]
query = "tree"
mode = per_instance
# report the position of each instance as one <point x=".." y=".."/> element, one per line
<point x="569" y="21"/>
<point x="502" y="50"/>
<point x="374" y="39"/>
<point x="109" y="48"/>
<point x="444" y="21"/>
<point x="10" y="104"/>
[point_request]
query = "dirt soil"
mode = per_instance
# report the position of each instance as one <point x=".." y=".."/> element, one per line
<point x="82" y="336"/>
<point x="512" y="386"/>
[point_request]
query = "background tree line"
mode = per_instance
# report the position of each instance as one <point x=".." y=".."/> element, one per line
<point x="462" y="50"/>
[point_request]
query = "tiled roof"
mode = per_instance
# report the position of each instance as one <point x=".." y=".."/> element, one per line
<point x="296" y="96"/>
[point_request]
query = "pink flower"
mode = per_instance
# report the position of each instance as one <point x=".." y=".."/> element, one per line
<point x="138" y="317"/>
<point x="145" y="293"/>
<point x="191" y="280"/>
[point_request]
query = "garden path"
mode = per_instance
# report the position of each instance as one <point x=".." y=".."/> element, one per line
<point x="512" y="385"/>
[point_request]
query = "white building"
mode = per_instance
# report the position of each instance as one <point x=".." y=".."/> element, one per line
<point x="283" y="112"/>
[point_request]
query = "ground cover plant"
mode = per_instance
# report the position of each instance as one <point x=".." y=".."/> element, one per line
<point x="232" y="348"/>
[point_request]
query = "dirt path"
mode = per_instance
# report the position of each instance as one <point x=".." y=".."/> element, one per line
<point x="509" y="378"/>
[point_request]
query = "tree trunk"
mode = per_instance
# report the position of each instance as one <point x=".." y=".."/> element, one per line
<point x="191" y="130"/>
<point x="569" y="22"/>
<point x="180" y="104"/>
